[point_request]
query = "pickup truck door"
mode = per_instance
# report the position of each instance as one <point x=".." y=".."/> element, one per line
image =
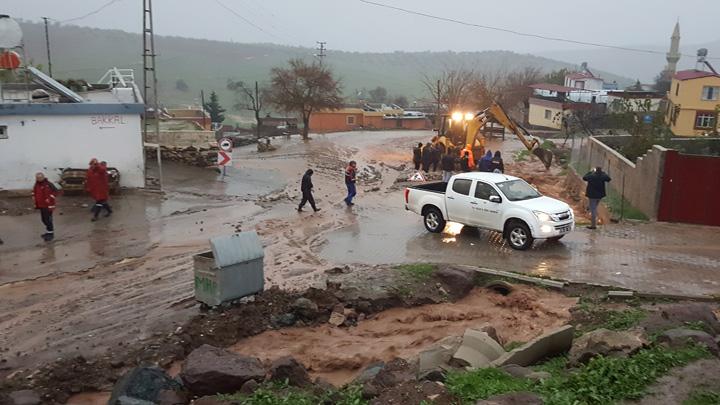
<point x="458" y="201"/>
<point x="486" y="213"/>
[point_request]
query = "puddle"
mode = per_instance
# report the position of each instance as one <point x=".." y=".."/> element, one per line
<point x="338" y="354"/>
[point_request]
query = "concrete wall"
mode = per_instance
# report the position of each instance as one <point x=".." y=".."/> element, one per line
<point x="184" y="139"/>
<point x="640" y="183"/>
<point x="49" y="143"/>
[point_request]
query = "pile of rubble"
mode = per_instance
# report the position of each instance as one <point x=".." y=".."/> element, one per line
<point x="194" y="156"/>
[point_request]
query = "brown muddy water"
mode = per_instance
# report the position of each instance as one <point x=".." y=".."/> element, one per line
<point x="339" y="354"/>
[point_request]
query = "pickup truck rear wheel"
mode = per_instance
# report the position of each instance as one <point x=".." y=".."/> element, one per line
<point x="518" y="235"/>
<point x="434" y="221"/>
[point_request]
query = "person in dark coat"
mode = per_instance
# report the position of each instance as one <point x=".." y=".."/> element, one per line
<point x="427" y="157"/>
<point x="447" y="164"/>
<point x="306" y="187"/>
<point x="465" y="162"/>
<point x="435" y="156"/>
<point x="486" y="162"/>
<point x="44" y="196"/>
<point x="98" y="185"/>
<point x="417" y="155"/>
<point x="595" y="191"/>
<point x="497" y="165"/>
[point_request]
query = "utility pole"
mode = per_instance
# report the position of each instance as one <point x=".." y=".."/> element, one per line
<point x="321" y="51"/>
<point x="47" y="46"/>
<point x="257" y="110"/>
<point x="150" y="83"/>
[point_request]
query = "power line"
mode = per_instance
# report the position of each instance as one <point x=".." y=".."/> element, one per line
<point x="236" y="14"/>
<point x="520" y="33"/>
<point x="103" y="7"/>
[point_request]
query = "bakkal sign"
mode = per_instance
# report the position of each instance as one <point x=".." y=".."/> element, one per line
<point x="107" y="121"/>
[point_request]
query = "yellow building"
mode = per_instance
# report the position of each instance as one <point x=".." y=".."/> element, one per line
<point x="693" y="103"/>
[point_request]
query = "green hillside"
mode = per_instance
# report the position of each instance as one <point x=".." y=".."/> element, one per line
<point x="87" y="53"/>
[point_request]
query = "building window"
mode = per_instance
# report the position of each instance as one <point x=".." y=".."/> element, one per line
<point x="580" y="85"/>
<point x="548" y="114"/>
<point x="710" y="93"/>
<point x="677" y="89"/>
<point x="350" y="120"/>
<point x="3" y="132"/>
<point x="704" y="120"/>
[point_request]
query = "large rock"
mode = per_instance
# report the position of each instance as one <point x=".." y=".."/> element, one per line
<point x="24" y="397"/>
<point x="680" y="337"/>
<point x="670" y="316"/>
<point x="145" y="384"/>
<point x="210" y="370"/>
<point x="305" y="308"/>
<point x="458" y="281"/>
<point x="394" y="373"/>
<point x="436" y="358"/>
<point x="477" y="350"/>
<point x="515" y="398"/>
<point x="550" y="344"/>
<point x="288" y="369"/>
<point x="368" y="373"/>
<point x="604" y="342"/>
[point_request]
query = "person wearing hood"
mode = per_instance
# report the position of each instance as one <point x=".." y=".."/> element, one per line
<point x="485" y="163"/>
<point x="427" y="157"/>
<point x="44" y="195"/>
<point x="306" y="187"/>
<point x="497" y="165"/>
<point x="417" y="155"/>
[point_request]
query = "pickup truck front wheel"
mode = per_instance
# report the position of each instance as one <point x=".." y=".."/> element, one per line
<point x="434" y="221"/>
<point x="518" y="235"/>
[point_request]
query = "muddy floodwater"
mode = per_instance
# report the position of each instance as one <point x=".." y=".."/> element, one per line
<point x="338" y="354"/>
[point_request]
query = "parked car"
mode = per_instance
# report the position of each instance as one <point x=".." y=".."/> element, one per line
<point x="492" y="201"/>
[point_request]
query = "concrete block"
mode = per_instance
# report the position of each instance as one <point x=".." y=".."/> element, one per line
<point x="477" y="350"/>
<point x="548" y="345"/>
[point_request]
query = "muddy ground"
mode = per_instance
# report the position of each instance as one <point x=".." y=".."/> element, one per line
<point x="127" y="280"/>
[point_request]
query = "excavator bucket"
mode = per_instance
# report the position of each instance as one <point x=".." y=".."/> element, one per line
<point x="545" y="156"/>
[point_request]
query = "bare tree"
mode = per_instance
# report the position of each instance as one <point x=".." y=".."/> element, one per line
<point x="251" y="99"/>
<point x="451" y="89"/>
<point x="304" y="88"/>
<point x="516" y="87"/>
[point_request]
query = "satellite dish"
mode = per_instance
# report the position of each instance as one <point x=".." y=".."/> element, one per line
<point x="10" y="33"/>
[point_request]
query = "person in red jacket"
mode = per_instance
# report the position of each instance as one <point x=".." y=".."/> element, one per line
<point x="98" y="185"/>
<point x="44" y="195"/>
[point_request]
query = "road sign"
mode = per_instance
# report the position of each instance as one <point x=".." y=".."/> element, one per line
<point x="226" y="144"/>
<point x="224" y="158"/>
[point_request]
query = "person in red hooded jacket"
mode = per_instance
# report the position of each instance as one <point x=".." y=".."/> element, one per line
<point x="98" y="185"/>
<point x="44" y="195"/>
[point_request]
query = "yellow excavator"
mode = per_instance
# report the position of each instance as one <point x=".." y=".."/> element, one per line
<point x="462" y="129"/>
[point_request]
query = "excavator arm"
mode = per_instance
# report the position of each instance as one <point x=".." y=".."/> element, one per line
<point x="497" y="113"/>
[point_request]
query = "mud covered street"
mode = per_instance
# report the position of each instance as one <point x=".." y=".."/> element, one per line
<point x="129" y="277"/>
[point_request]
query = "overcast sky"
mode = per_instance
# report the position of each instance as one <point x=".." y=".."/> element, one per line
<point x="354" y="26"/>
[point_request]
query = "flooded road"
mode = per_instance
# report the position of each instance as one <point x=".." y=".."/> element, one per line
<point x="124" y="278"/>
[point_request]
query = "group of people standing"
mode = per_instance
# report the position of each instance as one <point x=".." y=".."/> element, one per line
<point x="45" y="194"/>
<point x="427" y="157"/>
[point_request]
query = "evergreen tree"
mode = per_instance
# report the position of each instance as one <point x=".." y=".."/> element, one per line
<point x="214" y="108"/>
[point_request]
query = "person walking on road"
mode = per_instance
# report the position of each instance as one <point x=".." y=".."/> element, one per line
<point x="306" y="187"/>
<point x="98" y="185"/>
<point x="497" y="165"/>
<point x="350" y="178"/>
<point x="417" y="155"/>
<point x="44" y="196"/>
<point x="595" y="191"/>
<point x="485" y="162"/>
<point x="448" y="166"/>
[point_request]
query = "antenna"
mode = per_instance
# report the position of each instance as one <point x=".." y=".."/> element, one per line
<point x="149" y="70"/>
<point x="321" y="51"/>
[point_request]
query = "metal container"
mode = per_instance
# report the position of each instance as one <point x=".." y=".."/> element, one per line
<point x="232" y="269"/>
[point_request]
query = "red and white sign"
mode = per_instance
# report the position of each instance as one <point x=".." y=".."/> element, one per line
<point x="226" y="144"/>
<point x="224" y="158"/>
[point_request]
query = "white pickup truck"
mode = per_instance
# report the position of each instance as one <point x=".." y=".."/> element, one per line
<point x="493" y="201"/>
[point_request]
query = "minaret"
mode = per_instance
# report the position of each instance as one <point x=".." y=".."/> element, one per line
<point x="674" y="55"/>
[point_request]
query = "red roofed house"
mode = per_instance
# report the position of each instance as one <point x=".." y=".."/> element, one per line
<point x="693" y="102"/>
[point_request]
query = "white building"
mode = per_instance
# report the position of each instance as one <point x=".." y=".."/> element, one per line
<point x="46" y="127"/>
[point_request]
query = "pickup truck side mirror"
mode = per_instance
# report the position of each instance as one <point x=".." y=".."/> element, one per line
<point x="495" y="199"/>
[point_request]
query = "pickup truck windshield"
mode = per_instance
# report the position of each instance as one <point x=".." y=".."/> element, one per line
<point x="518" y="190"/>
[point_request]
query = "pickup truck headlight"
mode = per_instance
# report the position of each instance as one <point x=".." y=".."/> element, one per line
<point x="543" y="217"/>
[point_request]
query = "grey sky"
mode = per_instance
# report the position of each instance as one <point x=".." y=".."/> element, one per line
<point x="354" y="26"/>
